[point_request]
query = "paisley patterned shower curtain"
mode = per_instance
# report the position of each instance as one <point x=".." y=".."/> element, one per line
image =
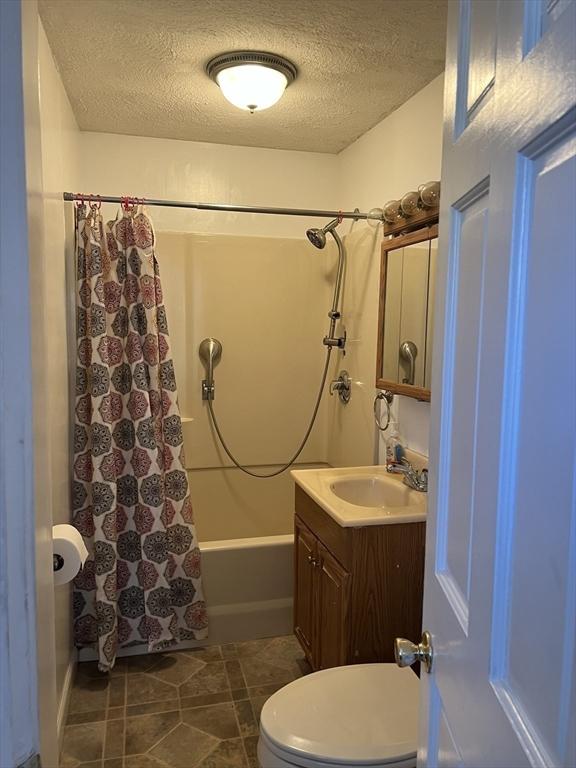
<point x="141" y="583"/>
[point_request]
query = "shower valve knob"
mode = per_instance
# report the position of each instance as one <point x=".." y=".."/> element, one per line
<point x="343" y="386"/>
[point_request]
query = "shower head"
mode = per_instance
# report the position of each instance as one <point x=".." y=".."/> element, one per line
<point x="318" y="236"/>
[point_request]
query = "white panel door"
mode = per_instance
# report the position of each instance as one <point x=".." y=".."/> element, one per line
<point x="19" y="726"/>
<point x="500" y="590"/>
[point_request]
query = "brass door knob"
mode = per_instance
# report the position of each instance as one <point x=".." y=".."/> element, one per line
<point x="407" y="653"/>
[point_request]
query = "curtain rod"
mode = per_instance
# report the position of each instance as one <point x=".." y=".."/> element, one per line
<point x="356" y="215"/>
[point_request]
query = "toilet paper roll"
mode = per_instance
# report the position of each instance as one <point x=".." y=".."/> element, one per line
<point x="70" y="553"/>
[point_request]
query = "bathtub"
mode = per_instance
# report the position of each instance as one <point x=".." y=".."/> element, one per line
<point x="245" y="529"/>
<point x="248" y="585"/>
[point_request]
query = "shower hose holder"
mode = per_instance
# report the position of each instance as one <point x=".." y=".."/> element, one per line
<point x="338" y="341"/>
<point x="207" y="390"/>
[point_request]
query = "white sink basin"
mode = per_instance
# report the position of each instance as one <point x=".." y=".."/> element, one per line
<point x="358" y="496"/>
<point x="372" y="491"/>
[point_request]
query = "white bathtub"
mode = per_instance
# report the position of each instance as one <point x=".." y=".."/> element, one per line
<point x="248" y="579"/>
<point x="248" y="585"/>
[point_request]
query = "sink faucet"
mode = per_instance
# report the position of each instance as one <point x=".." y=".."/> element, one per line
<point x="417" y="480"/>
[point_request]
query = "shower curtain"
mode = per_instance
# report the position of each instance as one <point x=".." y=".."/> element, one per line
<point x="141" y="583"/>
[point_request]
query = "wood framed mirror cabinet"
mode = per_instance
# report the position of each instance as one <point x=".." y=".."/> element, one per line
<point x="406" y="305"/>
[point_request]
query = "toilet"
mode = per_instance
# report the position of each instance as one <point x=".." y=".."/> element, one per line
<point x="359" y="715"/>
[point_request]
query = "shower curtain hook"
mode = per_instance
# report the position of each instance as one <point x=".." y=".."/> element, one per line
<point x="128" y="204"/>
<point x="340" y="216"/>
<point x="95" y="203"/>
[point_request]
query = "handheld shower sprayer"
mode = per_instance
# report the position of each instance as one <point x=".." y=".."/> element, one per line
<point x="318" y="239"/>
<point x="318" y="236"/>
<point x="210" y="352"/>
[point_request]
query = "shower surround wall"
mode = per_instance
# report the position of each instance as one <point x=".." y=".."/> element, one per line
<point x="266" y="299"/>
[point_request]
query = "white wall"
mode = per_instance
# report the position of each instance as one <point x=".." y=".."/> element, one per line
<point x="394" y="157"/>
<point x="350" y="436"/>
<point x="51" y="343"/>
<point x="216" y="173"/>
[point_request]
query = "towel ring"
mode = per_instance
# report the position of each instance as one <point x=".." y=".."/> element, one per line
<point x="387" y="396"/>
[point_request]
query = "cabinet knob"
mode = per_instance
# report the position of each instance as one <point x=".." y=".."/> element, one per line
<point x="312" y="560"/>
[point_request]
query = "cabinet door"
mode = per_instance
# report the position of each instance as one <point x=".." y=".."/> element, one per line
<point x="333" y="586"/>
<point x="305" y="556"/>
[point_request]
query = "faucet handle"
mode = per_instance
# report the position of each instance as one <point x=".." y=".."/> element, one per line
<point x="424" y="478"/>
<point x="343" y="386"/>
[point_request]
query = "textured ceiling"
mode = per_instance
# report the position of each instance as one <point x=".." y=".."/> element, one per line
<point x="137" y="66"/>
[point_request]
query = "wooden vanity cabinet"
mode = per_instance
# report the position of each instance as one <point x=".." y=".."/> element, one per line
<point x="305" y="551"/>
<point x="356" y="589"/>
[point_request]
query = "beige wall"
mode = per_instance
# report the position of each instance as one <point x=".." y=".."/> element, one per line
<point x="397" y="155"/>
<point x="59" y="135"/>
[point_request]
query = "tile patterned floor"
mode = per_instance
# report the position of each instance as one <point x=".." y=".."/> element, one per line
<point x="186" y="709"/>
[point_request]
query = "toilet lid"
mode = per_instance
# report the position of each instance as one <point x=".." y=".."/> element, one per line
<point x="367" y="713"/>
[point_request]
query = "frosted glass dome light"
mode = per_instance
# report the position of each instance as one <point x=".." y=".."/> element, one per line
<point x="251" y="80"/>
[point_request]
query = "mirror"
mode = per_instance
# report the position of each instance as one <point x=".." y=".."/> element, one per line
<point x="406" y="317"/>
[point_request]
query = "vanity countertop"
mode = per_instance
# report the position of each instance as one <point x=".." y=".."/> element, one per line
<point x="359" y="496"/>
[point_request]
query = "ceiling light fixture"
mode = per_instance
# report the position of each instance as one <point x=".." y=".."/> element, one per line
<point x="251" y="80"/>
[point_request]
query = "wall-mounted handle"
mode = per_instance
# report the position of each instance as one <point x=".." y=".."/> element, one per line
<point x="408" y="352"/>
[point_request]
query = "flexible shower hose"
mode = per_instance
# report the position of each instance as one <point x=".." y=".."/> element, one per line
<point x="302" y="444"/>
